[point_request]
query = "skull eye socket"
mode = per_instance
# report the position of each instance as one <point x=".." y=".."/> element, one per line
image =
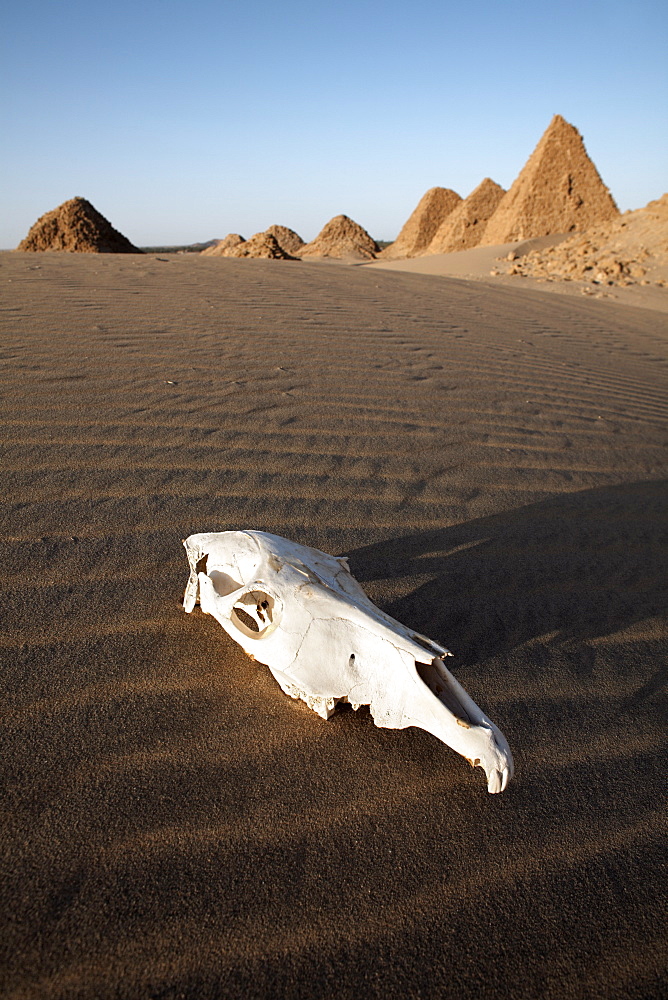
<point x="255" y="614"/>
<point x="242" y="616"/>
<point x="223" y="583"/>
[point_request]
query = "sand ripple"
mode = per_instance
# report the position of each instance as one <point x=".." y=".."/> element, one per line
<point x="494" y="464"/>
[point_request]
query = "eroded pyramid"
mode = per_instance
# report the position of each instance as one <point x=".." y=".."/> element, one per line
<point x="559" y="190"/>
<point x="287" y="239"/>
<point x="220" y="248"/>
<point x="260" y="245"/>
<point x="424" y="222"/>
<point x="77" y="227"/>
<point x="341" y="238"/>
<point x="465" y="226"/>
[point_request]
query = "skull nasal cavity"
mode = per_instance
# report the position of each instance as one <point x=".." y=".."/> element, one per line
<point x="439" y="683"/>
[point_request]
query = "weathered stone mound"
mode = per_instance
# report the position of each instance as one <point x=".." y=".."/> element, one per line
<point x="464" y="228"/>
<point x="77" y="227"/>
<point x="222" y="246"/>
<point x="276" y="243"/>
<point x="631" y="249"/>
<point x="261" y="245"/>
<point x="422" y="225"/>
<point x="342" y="238"/>
<point x="287" y="239"/>
<point x="559" y="190"/>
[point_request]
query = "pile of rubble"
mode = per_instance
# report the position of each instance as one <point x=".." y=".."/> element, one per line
<point x="631" y="249"/>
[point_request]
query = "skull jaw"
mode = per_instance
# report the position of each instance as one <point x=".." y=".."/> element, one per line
<point x="481" y="743"/>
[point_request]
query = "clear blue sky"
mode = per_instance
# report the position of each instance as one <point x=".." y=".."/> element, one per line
<point x="183" y="121"/>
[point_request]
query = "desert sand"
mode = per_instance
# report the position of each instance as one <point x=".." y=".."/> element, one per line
<point x="544" y="264"/>
<point x="492" y="460"/>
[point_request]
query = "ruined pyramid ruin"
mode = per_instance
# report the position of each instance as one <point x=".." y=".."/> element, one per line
<point x="275" y="243"/>
<point x="342" y="238"/>
<point x="287" y="239"/>
<point x="260" y="245"/>
<point x="220" y="248"/>
<point x="559" y="190"/>
<point x="465" y="225"/>
<point x="424" y="222"/>
<point x="77" y="227"/>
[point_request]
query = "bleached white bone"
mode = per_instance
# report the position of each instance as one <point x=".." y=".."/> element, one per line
<point x="301" y="612"/>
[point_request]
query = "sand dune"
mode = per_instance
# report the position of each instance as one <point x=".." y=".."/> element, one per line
<point x="493" y="462"/>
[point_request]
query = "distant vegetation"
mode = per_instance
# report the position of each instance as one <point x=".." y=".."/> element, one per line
<point x="186" y="248"/>
<point x="198" y="247"/>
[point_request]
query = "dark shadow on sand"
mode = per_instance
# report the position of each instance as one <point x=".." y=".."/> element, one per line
<point x="572" y="568"/>
<point x="187" y="831"/>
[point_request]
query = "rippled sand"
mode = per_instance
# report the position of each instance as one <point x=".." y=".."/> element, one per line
<point x="493" y="462"/>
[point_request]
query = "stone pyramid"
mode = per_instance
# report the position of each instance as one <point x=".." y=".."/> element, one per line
<point x="220" y="248"/>
<point x="559" y="190"/>
<point x="465" y="226"/>
<point x="342" y="238"/>
<point x="76" y="226"/>
<point x="287" y="239"/>
<point x="261" y="245"/>
<point x="421" y="226"/>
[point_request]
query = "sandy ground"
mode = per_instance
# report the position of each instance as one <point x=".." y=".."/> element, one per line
<point x="482" y="263"/>
<point x="494" y="463"/>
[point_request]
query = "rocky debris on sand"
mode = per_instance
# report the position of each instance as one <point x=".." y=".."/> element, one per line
<point x="260" y="245"/>
<point x="76" y="227"/>
<point x="559" y="190"/>
<point x="287" y="239"/>
<point x="464" y="227"/>
<point x="631" y="249"/>
<point x="424" y="222"/>
<point x="220" y="248"/>
<point x="342" y="238"/>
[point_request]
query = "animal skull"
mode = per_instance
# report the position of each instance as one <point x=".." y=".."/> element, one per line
<point x="301" y="612"/>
